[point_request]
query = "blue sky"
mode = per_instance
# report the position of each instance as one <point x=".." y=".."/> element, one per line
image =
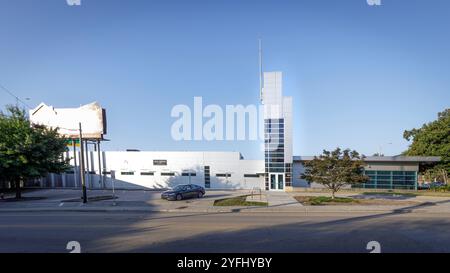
<point x="359" y="75"/>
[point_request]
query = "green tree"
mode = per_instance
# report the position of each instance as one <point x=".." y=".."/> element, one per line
<point x="432" y="139"/>
<point x="28" y="151"/>
<point x="335" y="169"/>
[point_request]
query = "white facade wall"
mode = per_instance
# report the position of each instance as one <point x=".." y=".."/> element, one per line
<point x="179" y="162"/>
<point x="272" y="92"/>
<point x="288" y="147"/>
<point x="121" y="164"/>
<point x="273" y="95"/>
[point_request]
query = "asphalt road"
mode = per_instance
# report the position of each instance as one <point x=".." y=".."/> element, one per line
<point x="222" y="232"/>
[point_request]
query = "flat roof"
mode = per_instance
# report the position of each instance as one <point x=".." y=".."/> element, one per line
<point x="399" y="158"/>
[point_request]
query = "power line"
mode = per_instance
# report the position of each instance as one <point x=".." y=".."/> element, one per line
<point x="14" y="96"/>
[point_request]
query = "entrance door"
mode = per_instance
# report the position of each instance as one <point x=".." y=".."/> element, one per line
<point x="276" y="181"/>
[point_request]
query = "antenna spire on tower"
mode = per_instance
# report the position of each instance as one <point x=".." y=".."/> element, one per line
<point x="260" y="71"/>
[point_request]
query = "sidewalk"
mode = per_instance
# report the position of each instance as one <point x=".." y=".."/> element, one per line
<point x="302" y="210"/>
<point x="282" y="199"/>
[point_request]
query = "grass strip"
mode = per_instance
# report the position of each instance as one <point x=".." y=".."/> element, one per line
<point x="324" y="200"/>
<point x="238" y="201"/>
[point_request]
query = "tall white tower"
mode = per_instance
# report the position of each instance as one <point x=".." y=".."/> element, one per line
<point x="277" y="130"/>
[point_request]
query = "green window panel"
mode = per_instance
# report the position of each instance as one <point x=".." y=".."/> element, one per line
<point x="390" y="180"/>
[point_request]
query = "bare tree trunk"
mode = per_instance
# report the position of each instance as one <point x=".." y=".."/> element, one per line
<point x="18" y="190"/>
<point x="333" y="194"/>
<point x="445" y="176"/>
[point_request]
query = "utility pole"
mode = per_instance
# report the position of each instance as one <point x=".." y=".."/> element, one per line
<point x="83" y="178"/>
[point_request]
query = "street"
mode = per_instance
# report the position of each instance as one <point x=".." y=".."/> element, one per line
<point x="222" y="232"/>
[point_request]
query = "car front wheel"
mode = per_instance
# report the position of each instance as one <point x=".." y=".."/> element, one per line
<point x="179" y="197"/>
<point x="200" y="195"/>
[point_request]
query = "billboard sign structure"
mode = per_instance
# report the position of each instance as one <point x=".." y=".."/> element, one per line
<point x="92" y="117"/>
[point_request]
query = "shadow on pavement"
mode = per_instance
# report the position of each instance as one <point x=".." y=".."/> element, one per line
<point x="345" y="235"/>
<point x="395" y="232"/>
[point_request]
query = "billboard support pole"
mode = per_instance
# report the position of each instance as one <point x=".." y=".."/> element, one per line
<point x="75" y="176"/>
<point x="82" y="174"/>
<point x="87" y="167"/>
<point x="100" y="165"/>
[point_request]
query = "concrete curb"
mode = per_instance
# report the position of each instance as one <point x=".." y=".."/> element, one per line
<point x="303" y="210"/>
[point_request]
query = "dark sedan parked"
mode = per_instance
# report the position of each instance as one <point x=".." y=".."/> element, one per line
<point x="181" y="192"/>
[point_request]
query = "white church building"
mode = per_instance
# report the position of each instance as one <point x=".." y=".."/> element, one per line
<point x="279" y="171"/>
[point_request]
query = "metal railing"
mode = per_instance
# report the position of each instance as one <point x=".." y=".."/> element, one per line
<point x="256" y="191"/>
